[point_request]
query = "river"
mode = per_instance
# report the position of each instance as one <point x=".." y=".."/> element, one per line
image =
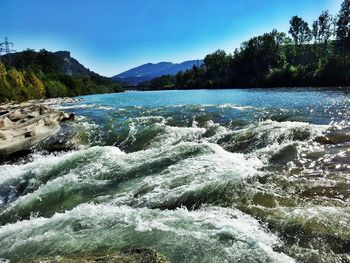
<point x="255" y="175"/>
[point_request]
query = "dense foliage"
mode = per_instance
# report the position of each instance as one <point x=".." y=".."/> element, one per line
<point x="33" y="75"/>
<point x="310" y="56"/>
<point x="17" y="85"/>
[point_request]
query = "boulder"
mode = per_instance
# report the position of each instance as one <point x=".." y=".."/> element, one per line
<point x="67" y="116"/>
<point x="333" y="138"/>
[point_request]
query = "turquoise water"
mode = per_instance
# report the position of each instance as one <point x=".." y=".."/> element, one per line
<point x="200" y="176"/>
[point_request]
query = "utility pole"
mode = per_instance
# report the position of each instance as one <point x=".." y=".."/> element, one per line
<point x="5" y="47"/>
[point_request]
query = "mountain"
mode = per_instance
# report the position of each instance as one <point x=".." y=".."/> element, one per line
<point x="150" y="71"/>
<point x="72" y="66"/>
<point x="58" y="62"/>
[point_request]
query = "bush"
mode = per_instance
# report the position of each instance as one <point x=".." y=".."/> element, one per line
<point x="34" y="85"/>
<point x="19" y="86"/>
<point x="55" y="89"/>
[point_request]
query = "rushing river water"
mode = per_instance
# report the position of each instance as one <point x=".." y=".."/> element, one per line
<point x="200" y="176"/>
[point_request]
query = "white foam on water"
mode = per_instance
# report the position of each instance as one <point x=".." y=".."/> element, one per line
<point x="82" y="106"/>
<point x="232" y="235"/>
<point x="221" y="106"/>
<point x="46" y="175"/>
<point x="179" y="163"/>
<point x="14" y="171"/>
<point x="174" y="135"/>
<point x="274" y="130"/>
<point x="277" y="135"/>
<point x="214" y="168"/>
<point x="319" y="219"/>
<point x="165" y="176"/>
<point x="171" y="135"/>
<point x="74" y="106"/>
<point x="233" y="106"/>
<point x="40" y="164"/>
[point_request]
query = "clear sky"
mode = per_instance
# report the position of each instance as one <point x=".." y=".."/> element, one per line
<point x="111" y="36"/>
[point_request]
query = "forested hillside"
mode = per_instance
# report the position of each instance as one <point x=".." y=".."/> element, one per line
<point x="33" y="75"/>
<point x="309" y="55"/>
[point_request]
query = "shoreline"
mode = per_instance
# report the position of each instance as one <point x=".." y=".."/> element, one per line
<point x="344" y="89"/>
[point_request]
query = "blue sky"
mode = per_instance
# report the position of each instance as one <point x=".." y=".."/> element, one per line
<point x="110" y="36"/>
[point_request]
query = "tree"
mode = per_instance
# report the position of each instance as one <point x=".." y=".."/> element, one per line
<point x="299" y="30"/>
<point x="216" y="64"/>
<point x="343" y="24"/>
<point x="322" y="32"/>
<point x="163" y="82"/>
<point x="35" y="86"/>
<point x="315" y="32"/>
<point x="325" y="27"/>
<point x="28" y="60"/>
<point x="49" y="62"/>
<point x="256" y="58"/>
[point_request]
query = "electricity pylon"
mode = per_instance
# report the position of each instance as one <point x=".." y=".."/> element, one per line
<point x="5" y="47"/>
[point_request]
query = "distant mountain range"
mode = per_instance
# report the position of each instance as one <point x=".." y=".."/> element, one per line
<point x="150" y="71"/>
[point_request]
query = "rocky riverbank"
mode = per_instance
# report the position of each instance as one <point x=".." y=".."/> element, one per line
<point x="23" y="125"/>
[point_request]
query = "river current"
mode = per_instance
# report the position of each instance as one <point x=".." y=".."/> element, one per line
<point x="200" y="176"/>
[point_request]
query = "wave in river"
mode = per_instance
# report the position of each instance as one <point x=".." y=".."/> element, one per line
<point x="196" y="187"/>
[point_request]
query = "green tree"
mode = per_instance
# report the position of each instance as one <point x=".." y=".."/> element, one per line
<point x="315" y="32"/>
<point x="28" y="60"/>
<point x="322" y="31"/>
<point x="256" y="58"/>
<point x="55" y="88"/>
<point x="216" y="64"/>
<point x="343" y="24"/>
<point x="299" y="30"/>
<point x="34" y="86"/>
<point x="325" y="31"/>
<point x="49" y="63"/>
<point x="6" y="92"/>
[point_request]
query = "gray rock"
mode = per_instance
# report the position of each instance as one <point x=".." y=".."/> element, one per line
<point x="24" y="125"/>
